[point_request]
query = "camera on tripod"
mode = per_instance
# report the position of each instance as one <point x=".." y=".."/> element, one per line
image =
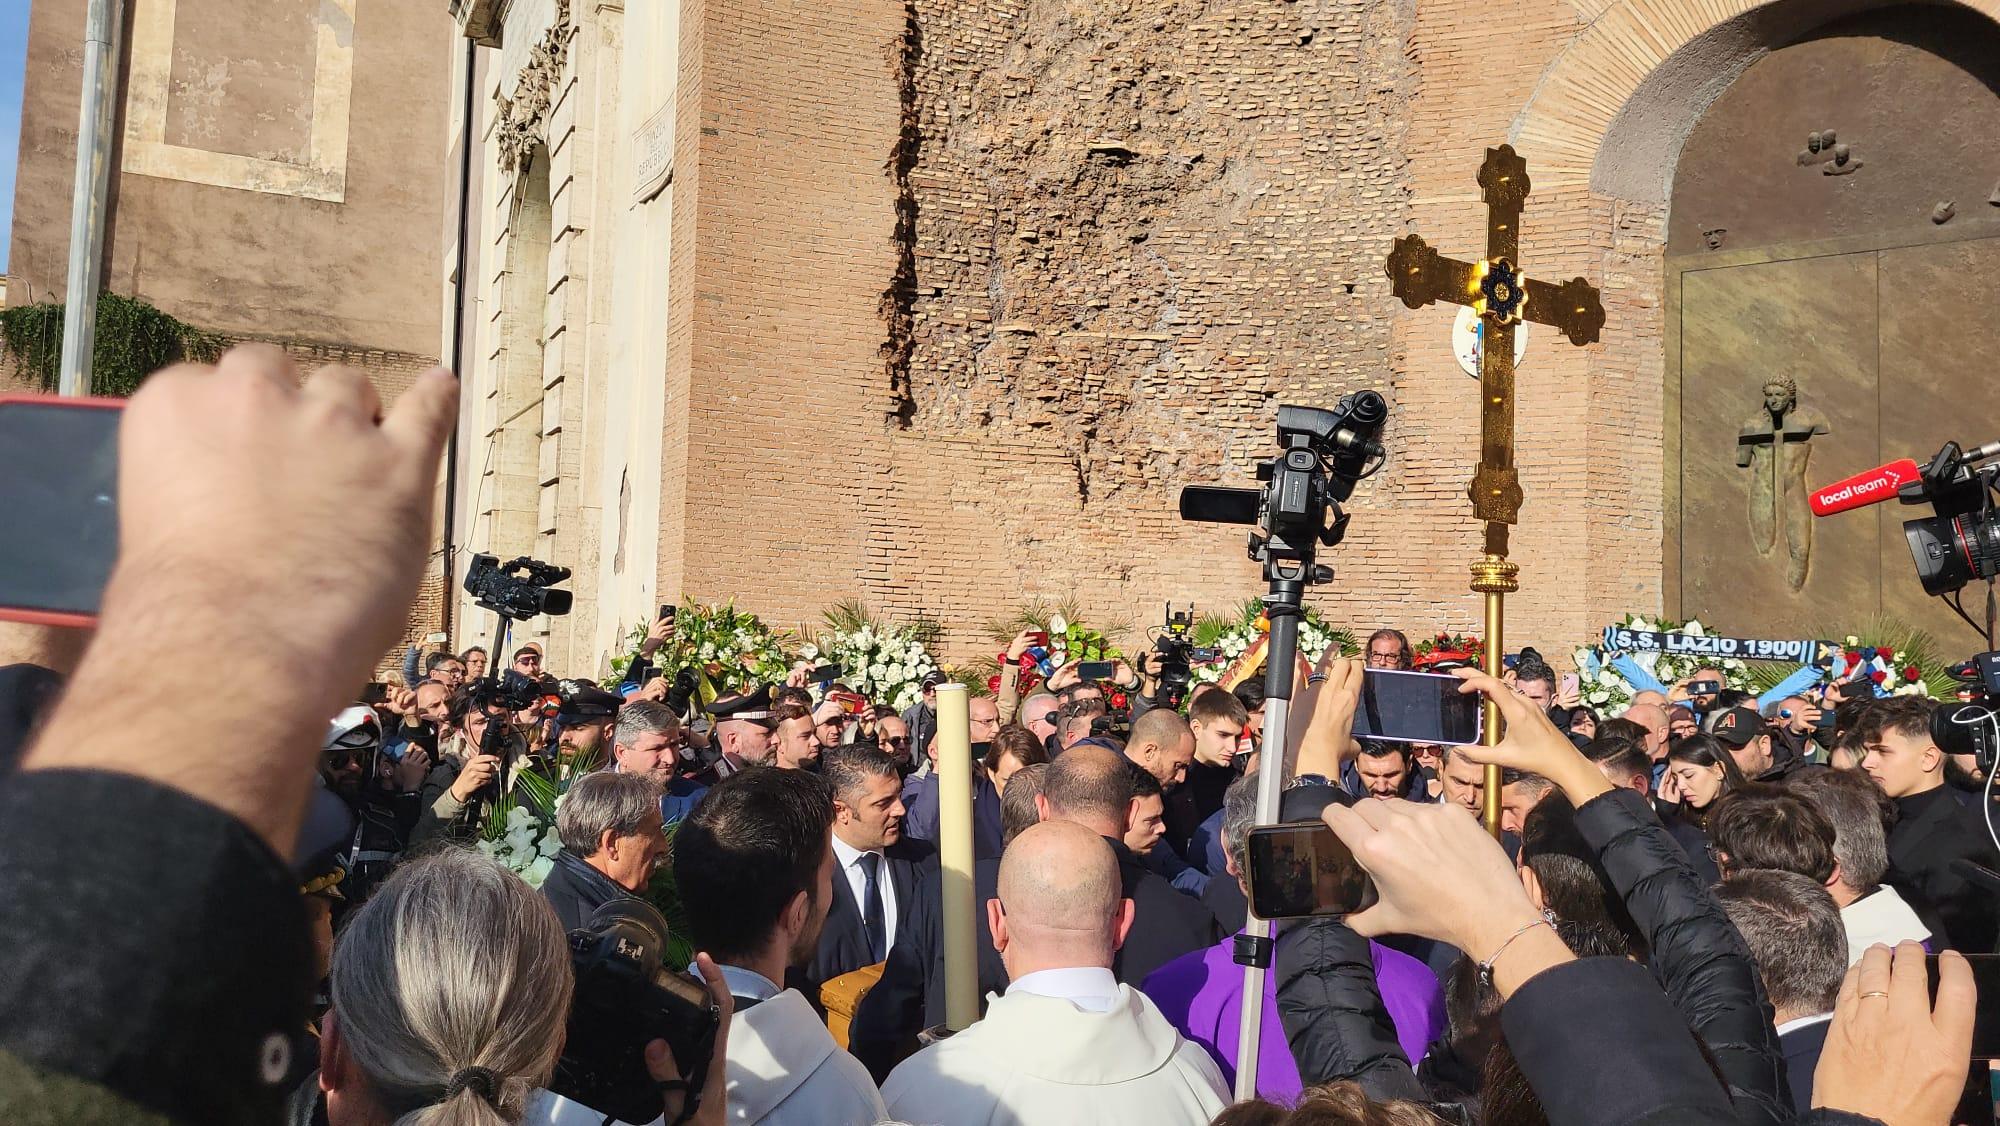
<point x="625" y="999"/>
<point x="520" y="590"/>
<point x="1177" y="657"/>
<point x="1324" y="454"/>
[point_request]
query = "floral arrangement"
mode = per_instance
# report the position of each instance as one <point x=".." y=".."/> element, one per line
<point x="1449" y="647"/>
<point x="520" y="830"/>
<point x="1070" y="639"/>
<point x="1880" y="664"/>
<point x="1605" y="688"/>
<point x="729" y="650"/>
<point x="524" y="841"/>
<point x="1231" y="636"/>
<point x="884" y="662"/>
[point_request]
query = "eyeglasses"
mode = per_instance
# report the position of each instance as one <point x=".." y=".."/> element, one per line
<point x="902" y="744"/>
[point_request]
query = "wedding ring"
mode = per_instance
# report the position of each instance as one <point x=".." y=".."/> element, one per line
<point x="1873" y="993"/>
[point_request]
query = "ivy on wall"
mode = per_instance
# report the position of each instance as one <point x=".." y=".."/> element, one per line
<point x="134" y="340"/>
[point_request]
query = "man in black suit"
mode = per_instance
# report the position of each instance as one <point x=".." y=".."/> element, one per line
<point x="879" y="876"/>
<point x="1796" y="938"/>
<point x="1092" y="787"/>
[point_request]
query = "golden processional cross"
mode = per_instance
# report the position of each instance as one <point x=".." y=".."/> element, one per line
<point x="1496" y="289"/>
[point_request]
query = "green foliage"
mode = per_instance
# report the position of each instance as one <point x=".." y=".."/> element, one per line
<point x="665" y="895"/>
<point x="134" y="340"/>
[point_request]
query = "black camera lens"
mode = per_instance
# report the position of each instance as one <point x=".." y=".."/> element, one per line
<point x="1951" y="551"/>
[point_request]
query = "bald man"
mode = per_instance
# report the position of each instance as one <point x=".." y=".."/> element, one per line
<point x="1066" y="1042"/>
<point x="1652" y="717"/>
<point x="1092" y="786"/>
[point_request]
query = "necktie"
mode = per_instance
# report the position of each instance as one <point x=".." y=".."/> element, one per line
<point x="871" y="907"/>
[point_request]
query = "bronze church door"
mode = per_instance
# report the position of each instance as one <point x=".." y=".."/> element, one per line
<point x="1833" y="255"/>
<point x="1887" y="349"/>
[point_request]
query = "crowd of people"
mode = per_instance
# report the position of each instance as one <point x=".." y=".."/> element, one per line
<point x="1706" y="908"/>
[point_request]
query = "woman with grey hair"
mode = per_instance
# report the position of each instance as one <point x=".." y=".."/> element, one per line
<point x="451" y="988"/>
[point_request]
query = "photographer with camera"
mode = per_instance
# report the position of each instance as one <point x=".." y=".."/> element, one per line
<point x="462" y="772"/>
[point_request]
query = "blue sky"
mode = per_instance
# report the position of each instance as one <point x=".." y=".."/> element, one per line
<point x="13" y="60"/>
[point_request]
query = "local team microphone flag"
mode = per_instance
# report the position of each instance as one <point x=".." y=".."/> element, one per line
<point x="1878" y="484"/>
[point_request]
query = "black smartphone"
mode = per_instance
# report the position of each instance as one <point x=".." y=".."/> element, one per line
<point x="1301" y="869"/>
<point x="58" y="507"/>
<point x="374" y="692"/>
<point x="667" y="612"/>
<point x="1417" y="707"/>
<point x="825" y="673"/>
<point x="1095" y="670"/>
<point x="1704" y="687"/>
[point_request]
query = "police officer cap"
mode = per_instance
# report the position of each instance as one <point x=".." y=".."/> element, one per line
<point x="585" y="702"/>
<point x="753" y="707"/>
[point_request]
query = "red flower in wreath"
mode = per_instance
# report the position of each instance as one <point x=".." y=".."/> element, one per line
<point x="993" y="683"/>
<point x="1884" y="652"/>
<point x="1878" y="676"/>
<point x="1913" y="673"/>
<point x="1118" y="700"/>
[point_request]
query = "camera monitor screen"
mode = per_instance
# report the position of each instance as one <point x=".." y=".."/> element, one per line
<point x="58" y="507"/>
<point x="1417" y="707"/>
<point x="1302" y="869"/>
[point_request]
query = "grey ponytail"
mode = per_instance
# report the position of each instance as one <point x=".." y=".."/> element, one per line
<point x="454" y="964"/>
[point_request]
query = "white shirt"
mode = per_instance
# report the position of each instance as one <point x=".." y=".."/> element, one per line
<point x="1879" y="917"/>
<point x="749" y="983"/>
<point x="1803" y="1022"/>
<point x="1090" y="988"/>
<point x="849" y="859"/>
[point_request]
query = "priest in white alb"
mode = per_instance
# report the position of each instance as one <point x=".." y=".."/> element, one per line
<point x="1066" y="1042"/>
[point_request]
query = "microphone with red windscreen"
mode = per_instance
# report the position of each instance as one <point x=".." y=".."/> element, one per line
<point x="1863" y="489"/>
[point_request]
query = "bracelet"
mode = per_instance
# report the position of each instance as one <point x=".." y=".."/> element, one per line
<point x="1486" y="967"/>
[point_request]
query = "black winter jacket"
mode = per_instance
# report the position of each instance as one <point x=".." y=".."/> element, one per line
<point x="1332" y="1011"/>
<point x="1697" y="956"/>
<point x="1601" y="1046"/>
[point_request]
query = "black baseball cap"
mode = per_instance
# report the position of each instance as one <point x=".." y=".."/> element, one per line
<point x="1738" y="726"/>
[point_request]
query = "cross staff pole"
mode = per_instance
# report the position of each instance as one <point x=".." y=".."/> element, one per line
<point x="1496" y="289"/>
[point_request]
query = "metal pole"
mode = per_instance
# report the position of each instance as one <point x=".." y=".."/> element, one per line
<point x="1279" y="658"/>
<point x="954" y="769"/>
<point x="1496" y="578"/>
<point x="91" y="200"/>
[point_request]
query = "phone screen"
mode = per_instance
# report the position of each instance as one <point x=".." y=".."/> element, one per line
<point x="1416" y="707"/>
<point x="1302" y="869"/>
<point x="58" y="507"/>
<point x="1094" y="670"/>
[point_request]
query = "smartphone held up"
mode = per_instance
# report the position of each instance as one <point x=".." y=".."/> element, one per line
<point x="59" y="519"/>
<point x="1417" y="707"/>
<point x="1300" y="870"/>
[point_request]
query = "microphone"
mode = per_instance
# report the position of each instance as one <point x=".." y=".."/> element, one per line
<point x="1863" y="489"/>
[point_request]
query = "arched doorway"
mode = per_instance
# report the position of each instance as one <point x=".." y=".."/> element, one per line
<point x="1858" y="270"/>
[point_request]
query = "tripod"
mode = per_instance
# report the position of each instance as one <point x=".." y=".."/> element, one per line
<point x="1282" y="607"/>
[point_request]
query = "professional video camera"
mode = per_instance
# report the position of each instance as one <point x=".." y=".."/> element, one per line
<point x="520" y="590"/>
<point x="1176" y="657"/>
<point x="1325" y="453"/>
<point x="516" y="592"/>
<point x="1961" y="542"/>
<point x="625" y="999"/>
<point x="1971" y="724"/>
